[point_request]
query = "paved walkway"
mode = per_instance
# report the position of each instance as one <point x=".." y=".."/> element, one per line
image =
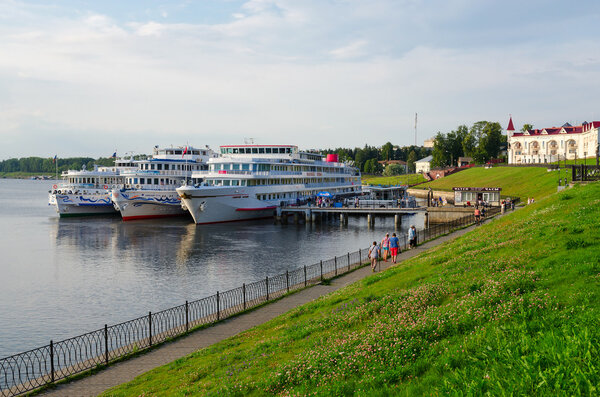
<point x="125" y="371"/>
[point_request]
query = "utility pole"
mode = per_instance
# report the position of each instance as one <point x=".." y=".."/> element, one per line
<point x="415" y="129"/>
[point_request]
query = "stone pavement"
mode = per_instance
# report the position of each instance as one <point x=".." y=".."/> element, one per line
<point x="125" y="371"/>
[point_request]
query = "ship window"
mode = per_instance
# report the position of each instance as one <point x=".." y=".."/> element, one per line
<point x="243" y="182"/>
<point x="226" y="182"/>
<point x="254" y="150"/>
<point x="156" y="181"/>
<point x="287" y="150"/>
<point x="159" y="167"/>
<point x="261" y="150"/>
<point x="226" y="167"/>
<point x="235" y="182"/>
<point x="245" y="167"/>
<point x="268" y="150"/>
<point x="235" y="166"/>
<point x="142" y="181"/>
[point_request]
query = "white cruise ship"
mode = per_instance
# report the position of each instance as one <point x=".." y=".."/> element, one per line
<point x="251" y="181"/>
<point x="149" y="190"/>
<point x="87" y="192"/>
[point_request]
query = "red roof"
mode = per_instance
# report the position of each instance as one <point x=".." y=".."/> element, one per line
<point x="510" y="127"/>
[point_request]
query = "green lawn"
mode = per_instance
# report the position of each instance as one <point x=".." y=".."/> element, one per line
<point x="520" y="182"/>
<point x="588" y="161"/>
<point x="412" y="179"/>
<point x="511" y="308"/>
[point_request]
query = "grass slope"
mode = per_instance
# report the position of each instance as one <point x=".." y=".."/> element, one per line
<point x="412" y="179"/>
<point x="510" y="308"/>
<point x="520" y="182"/>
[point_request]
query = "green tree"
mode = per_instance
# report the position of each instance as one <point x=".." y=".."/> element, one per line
<point x="393" y="170"/>
<point x="411" y="160"/>
<point x="440" y="151"/>
<point x="387" y="151"/>
<point x="491" y="141"/>
<point x="527" y="127"/>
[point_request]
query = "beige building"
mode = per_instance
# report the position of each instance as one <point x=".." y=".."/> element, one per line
<point x="552" y="144"/>
<point x="423" y="165"/>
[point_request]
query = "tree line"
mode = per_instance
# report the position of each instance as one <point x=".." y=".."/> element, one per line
<point x="48" y="166"/>
<point x="482" y="142"/>
<point x="367" y="158"/>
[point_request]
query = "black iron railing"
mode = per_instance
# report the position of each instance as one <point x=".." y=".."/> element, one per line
<point x="583" y="172"/>
<point x="35" y="368"/>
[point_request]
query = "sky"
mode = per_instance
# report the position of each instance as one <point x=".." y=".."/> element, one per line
<point x="86" y="78"/>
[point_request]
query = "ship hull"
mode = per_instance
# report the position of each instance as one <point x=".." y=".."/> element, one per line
<point x="147" y="204"/>
<point x="222" y="205"/>
<point x="68" y="205"/>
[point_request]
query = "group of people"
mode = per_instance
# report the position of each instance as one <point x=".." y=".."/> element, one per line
<point x="530" y="200"/>
<point x="439" y="202"/>
<point x="390" y="246"/>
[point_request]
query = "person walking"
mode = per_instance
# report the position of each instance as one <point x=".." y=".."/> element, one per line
<point x="385" y="246"/>
<point x="374" y="255"/>
<point x="477" y="214"/>
<point x="394" y="247"/>
<point x="412" y="237"/>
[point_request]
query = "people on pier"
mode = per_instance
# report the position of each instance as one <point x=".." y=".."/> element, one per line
<point x="374" y="255"/>
<point x="385" y="246"/>
<point x="394" y="247"/>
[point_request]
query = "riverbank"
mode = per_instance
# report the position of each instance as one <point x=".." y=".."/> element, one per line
<point x="205" y="337"/>
<point x="510" y="308"/>
<point x="522" y="182"/>
<point x="26" y="175"/>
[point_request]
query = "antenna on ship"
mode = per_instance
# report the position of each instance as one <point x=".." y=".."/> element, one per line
<point x="248" y="141"/>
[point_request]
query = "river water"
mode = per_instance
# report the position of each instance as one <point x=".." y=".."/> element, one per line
<point x="63" y="277"/>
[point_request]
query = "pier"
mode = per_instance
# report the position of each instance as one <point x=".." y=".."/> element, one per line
<point x="314" y="214"/>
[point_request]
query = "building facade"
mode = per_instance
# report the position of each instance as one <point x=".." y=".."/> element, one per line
<point x="424" y="165"/>
<point x="553" y="144"/>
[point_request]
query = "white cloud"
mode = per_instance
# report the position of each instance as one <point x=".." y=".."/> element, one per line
<point x="352" y="50"/>
<point x="310" y="73"/>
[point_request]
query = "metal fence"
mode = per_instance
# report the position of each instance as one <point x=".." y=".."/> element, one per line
<point x="585" y="172"/>
<point x="35" y="368"/>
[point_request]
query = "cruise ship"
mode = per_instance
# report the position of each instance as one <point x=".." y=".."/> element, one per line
<point x="88" y="192"/>
<point x="149" y="190"/>
<point x="250" y="181"/>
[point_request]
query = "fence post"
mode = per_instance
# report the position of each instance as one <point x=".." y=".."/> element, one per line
<point x="51" y="361"/>
<point x="106" y="344"/>
<point x="321" y="265"/>
<point x="360" y="256"/>
<point x="305" y="275"/>
<point x="187" y="317"/>
<point x="244" y="293"/>
<point x="287" y="281"/>
<point x="218" y="307"/>
<point x="267" y="283"/>
<point x="150" y="327"/>
<point x="335" y="263"/>
<point x="348" y="261"/>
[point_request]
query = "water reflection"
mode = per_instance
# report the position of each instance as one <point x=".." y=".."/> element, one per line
<point x="63" y="277"/>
